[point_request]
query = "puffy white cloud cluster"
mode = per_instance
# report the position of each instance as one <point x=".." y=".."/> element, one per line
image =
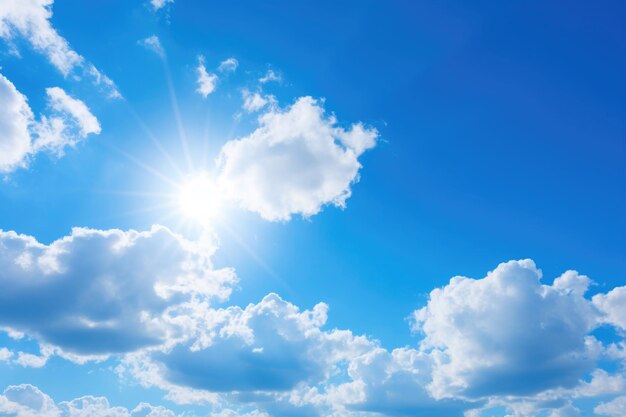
<point x="21" y="135"/>
<point x="295" y="162"/>
<point x="506" y="341"/>
<point x="29" y="401"/>
<point x="100" y="292"/>
<point x="271" y="346"/>
<point x="508" y="334"/>
<point x="30" y="20"/>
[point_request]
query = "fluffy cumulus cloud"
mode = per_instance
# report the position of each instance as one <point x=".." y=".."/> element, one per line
<point x="392" y="383"/>
<point x="508" y="334"/>
<point x="505" y="343"/>
<point x="613" y="305"/>
<point x="207" y="82"/>
<point x="100" y="292"/>
<point x="271" y="346"/>
<point x="29" y="401"/>
<point x="21" y="135"/>
<point x="297" y="161"/>
<point x="30" y="20"/>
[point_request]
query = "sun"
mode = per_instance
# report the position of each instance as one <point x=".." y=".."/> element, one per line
<point x="199" y="198"/>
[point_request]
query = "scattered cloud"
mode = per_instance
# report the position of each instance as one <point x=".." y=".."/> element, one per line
<point x="297" y="161"/>
<point x="206" y="82"/>
<point x="159" y="4"/>
<point x="614" y="408"/>
<point x="253" y="102"/>
<point x="153" y="43"/>
<point x="228" y="65"/>
<point x="21" y="136"/>
<point x="30" y="20"/>
<point x="269" y="76"/>
<point x="29" y="401"/>
<point x="5" y="354"/>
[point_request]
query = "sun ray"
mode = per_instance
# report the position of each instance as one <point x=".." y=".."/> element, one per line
<point x="142" y="165"/>
<point x="154" y="140"/>
<point x="179" y="123"/>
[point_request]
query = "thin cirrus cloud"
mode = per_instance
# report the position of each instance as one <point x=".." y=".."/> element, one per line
<point x="30" y="20"/>
<point x="153" y="43"/>
<point x="29" y="401"/>
<point x="270" y="76"/>
<point x="297" y="161"/>
<point x="68" y="121"/>
<point x="228" y="65"/>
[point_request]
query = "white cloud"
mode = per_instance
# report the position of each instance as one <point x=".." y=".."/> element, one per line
<point x="106" y="84"/>
<point x="206" y="82"/>
<point x="159" y="4"/>
<point x="153" y="43"/>
<point x="270" y="75"/>
<point x="392" y="383"/>
<point x="297" y="161"/>
<point x="101" y="292"/>
<point x="21" y="136"/>
<point x="16" y="119"/>
<point x="5" y="354"/>
<point x="29" y="401"/>
<point x="61" y="102"/>
<point x="253" y="102"/>
<point x="228" y="65"/>
<point x="30" y="19"/>
<point x="613" y="408"/>
<point x="613" y="305"/>
<point x="271" y="346"/>
<point x="507" y="334"/>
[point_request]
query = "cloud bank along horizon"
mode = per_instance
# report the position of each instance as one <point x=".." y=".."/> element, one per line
<point x="153" y="303"/>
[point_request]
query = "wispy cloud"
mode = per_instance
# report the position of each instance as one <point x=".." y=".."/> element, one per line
<point x="153" y="43"/>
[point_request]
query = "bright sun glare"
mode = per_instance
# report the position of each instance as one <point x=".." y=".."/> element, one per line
<point x="199" y="198"/>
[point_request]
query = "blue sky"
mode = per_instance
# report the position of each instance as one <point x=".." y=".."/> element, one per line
<point x="263" y="209"/>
